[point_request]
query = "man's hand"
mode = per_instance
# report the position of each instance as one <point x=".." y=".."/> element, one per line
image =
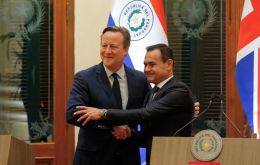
<point x="121" y="132"/>
<point x="88" y="114"/>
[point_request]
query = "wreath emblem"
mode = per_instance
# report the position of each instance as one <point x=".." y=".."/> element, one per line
<point x="132" y="21"/>
<point x="137" y="17"/>
<point x="206" y="145"/>
<point x="31" y="12"/>
<point x="195" y="30"/>
<point x="35" y="24"/>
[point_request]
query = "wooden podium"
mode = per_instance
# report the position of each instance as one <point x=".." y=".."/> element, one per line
<point x="15" y="152"/>
<point x="177" y="151"/>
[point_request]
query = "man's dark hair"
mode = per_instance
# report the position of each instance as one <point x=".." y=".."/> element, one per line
<point x="165" y="50"/>
<point x="123" y="31"/>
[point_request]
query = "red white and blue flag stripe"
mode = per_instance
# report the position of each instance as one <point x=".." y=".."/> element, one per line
<point x="146" y="23"/>
<point x="248" y="63"/>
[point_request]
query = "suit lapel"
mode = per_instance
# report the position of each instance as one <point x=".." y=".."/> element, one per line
<point x="131" y="82"/>
<point x="104" y="81"/>
<point x="130" y="85"/>
<point x="147" y="98"/>
<point x="164" y="88"/>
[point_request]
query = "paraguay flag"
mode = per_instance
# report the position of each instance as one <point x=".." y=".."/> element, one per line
<point x="146" y="23"/>
<point x="248" y="63"/>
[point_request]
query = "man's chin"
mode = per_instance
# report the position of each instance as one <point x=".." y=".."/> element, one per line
<point x="108" y="63"/>
<point x="151" y="80"/>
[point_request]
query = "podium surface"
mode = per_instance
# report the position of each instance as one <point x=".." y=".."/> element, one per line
<point x="15" y="152"/>
<point x="177" y="151"/>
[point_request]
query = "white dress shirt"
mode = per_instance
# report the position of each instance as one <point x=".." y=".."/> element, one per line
<point x="122" y="79"/>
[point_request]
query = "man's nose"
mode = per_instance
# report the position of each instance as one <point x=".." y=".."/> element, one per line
<point x="108" y="49"/>
<point x="146" y="68"/>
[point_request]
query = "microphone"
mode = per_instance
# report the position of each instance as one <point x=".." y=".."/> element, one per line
<point x="213" y="97"/>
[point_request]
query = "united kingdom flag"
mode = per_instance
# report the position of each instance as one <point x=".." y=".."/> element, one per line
<point x="248" y="63"/>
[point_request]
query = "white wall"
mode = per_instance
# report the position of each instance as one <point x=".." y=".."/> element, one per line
<point x="90" y="19"/>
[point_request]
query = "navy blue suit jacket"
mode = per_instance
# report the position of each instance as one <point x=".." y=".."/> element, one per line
<point x="96" y="145"/>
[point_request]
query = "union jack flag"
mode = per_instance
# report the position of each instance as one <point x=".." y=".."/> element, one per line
<point x="248" y="63"/>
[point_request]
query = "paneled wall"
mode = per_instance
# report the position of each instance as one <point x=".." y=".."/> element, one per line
<point x="234" y="106"/>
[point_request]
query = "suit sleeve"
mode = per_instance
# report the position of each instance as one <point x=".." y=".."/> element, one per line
<point x="172" y="101"/>
<point x="79" y="97"/>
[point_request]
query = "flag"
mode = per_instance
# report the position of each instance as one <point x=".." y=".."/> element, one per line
<point x="146" y="23"/>
<point x="248" y="63"/>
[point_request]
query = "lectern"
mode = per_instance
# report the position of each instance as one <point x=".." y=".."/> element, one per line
<point x="177" y="151"/>
<point x="15" y="152"/>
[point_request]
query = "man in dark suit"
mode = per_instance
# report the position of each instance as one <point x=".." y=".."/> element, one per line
<point x="100" y="143"/>
<point x="168" y="107"/>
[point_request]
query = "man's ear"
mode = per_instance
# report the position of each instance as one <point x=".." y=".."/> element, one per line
<point x="126" y="49"/>
<point x="170" y="62"/>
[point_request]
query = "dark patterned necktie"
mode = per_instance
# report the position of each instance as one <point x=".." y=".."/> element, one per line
<point x="116" y="91"/>
<point x="154" y="90"/>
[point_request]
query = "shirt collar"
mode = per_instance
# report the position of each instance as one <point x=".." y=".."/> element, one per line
<point x="161" y="84"/>
<point x="120" y="72"/>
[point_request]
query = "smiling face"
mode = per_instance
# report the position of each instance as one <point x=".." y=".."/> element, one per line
<point x="112" y="50"/>
<point x="155" y="69"/>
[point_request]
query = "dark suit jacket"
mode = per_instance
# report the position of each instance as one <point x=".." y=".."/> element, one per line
<point x="170" y="109"/>
<point x="96" y="145"/>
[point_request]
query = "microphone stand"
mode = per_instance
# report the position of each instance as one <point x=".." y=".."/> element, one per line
<point x="233" y="124"/>
<point x="229" y="119"/>
<point x="210" y="102"/>
<point x="207" y="108"/>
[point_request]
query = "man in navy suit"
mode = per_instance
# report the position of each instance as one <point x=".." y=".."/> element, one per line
<point x="168" y="107"/>
<point x="100" y="143"/>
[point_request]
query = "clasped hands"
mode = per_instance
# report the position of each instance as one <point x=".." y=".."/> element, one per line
<point x="121" y="132"/>
<point x="90" y="113"/>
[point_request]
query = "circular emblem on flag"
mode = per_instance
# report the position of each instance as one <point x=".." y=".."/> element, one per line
<point x="206" y="145"/>
<point x="137" y="17"/>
